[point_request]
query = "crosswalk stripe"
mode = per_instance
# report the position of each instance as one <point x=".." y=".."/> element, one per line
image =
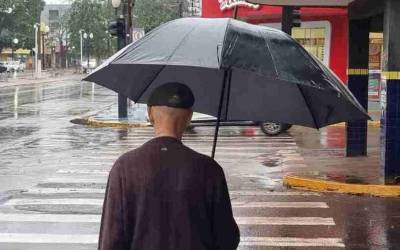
<point x="245" y="241"/>
<point x="61" y="218"/>
<point x="80" y="163"/>
<point x="286" y="204"/>
<point x="101" y="191"/>
<point x="298" y="221"/>
<point x="99" y="202"/>
<point x="248" y="146"/>
<point x="62" y="201"/>
<point x="82" y="171"/>
<point x="49" y="238"/>
<point x="202" y="141"/>
<point x="291" y="242"/>
<point x="64" y="191"/>
<point x="75" y="179"/>
<point x="90" y="218"/>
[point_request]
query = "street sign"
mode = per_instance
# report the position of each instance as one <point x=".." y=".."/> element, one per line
<point x="137" y="33"/>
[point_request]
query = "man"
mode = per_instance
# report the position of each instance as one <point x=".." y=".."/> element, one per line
<point x="163" y="195"/>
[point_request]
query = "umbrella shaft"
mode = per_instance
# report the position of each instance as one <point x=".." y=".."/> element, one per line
<point x="221" y="101"/>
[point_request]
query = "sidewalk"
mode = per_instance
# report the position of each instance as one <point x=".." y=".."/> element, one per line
<point x="47" y="76"/>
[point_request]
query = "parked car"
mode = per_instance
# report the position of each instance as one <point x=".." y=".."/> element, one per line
<point x="92" y="65"/>
<point x="3" y="69"/>
<point x="14" y="65"/>
<point x="7" y="65"/>
<point x="267" y="127"/>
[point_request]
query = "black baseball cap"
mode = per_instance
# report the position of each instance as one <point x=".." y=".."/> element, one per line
<point x="172" y="94"/>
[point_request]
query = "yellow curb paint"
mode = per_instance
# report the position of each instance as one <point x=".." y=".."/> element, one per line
<point x="357" y="72"/>
<point x="114" y="124"/>
<point x="318" y="185"/>
<point x="391" y="75"/>
<point x="371" y="124"/>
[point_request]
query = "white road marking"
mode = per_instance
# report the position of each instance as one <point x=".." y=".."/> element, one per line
<point x="82" y="163"/>
<point x="89" y="218"/>
<point x="291" y="242"/>
<point x="65" y="191"/>
<point x="220" y="145"/>
<point x="287" y="204"/>
<point x="82" y="171"/>
<point x="101" y="191"/>
<point x="75" y="180"/>
<point x="49" y="238"/>
<point x="99" y="202"/>
<point x="93" y="239"/>
<point x="270" y="193"/>
<point x="61" y="218"/>
<point x="66" y="201"/>
<point x="298" y="221"/>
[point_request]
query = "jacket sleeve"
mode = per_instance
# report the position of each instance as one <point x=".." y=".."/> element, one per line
<point x="112" y="223"/>
<point x="225" y="230"/>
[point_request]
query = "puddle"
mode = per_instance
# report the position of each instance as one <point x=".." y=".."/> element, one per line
<point x="272" y="163"/>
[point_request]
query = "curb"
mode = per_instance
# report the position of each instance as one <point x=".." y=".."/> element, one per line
<point x="318" y="185"/>
<point x="91" y="121"/>
<point x="371" y="124"/>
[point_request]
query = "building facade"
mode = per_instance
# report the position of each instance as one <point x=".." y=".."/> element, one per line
<point x="55" y="40"/>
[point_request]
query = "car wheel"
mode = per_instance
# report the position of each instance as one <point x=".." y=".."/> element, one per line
<point x="272" y="128"/>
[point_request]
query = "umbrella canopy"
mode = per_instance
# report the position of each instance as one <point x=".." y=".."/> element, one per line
<point x="237" y="71"/>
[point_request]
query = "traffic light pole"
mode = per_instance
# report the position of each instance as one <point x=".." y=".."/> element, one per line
<point x="122" y="99"/>
<point x="287" y="19"/>
<point x="290" y="18"/>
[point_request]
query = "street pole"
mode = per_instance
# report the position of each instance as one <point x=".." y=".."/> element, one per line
<point x="122" y="41"/>
<point x="120" y="28"/>
<point x="80" y="32"/>
<point x="43" y="57"/>
<point x="122" y="99"/>
<point x="36" y="50"/>
<point x="88" y="53"/>
<point x="66" y="51"/>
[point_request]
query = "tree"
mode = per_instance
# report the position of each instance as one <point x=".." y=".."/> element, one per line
<point x="17" y="18"/>
<point x="91" y="16"/>
<point x="152" y="13"/>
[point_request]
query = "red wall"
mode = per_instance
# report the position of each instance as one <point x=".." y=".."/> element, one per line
<point x="336" y="16"/>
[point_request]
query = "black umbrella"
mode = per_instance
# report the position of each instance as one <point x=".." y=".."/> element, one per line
<point x="237" y="71"/>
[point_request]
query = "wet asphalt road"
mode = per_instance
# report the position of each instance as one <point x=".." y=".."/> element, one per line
<point x="53" y="174"/>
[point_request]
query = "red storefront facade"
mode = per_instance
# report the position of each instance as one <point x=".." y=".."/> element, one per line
<point x="324" y="31"/>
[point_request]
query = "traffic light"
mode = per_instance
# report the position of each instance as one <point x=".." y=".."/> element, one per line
<point x="296" y="15"/>
<point x="117" y="27"/>
<point x="291" y="17"/>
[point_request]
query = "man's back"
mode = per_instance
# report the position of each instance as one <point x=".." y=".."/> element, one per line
<point x="164" y="195"/>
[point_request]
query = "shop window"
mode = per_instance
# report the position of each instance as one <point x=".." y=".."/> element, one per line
<point x="53" y="15"/>
<point x="312" y="39"/>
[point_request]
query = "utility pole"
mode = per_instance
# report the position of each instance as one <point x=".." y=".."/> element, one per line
<point x="118" y="28"/>
<point x="122" y="29"/>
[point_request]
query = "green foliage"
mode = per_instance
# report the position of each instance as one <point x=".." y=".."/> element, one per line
<point x="19" y="23"/>
<point x="91" y="16"/>
<point x="152" y="13"/>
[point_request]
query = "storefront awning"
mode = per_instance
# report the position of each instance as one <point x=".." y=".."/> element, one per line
<point x="311" y="3"/>
<point x="20" y="51"/>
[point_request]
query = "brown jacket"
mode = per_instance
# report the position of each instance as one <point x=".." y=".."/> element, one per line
<point x="165" y="196"/>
